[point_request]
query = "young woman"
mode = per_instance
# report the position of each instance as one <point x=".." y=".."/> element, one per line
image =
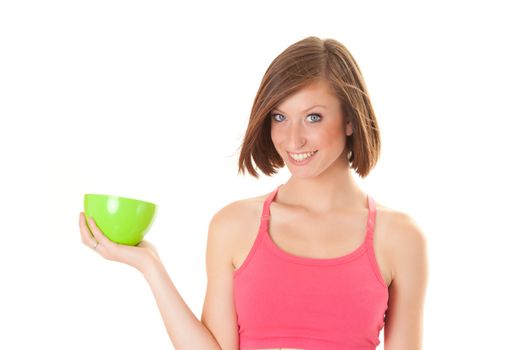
<point x="316" y="263"/>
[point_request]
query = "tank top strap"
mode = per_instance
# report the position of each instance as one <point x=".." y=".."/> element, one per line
<point x="371" y="218"/>
<point x="266" y="207"/>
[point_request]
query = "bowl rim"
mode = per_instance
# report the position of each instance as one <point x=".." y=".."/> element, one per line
<point x="118" y="197"/>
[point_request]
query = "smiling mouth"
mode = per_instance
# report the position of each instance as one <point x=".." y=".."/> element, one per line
<point x="299" y="157"/>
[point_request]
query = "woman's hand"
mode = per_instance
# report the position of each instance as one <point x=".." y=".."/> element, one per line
<point x="136" y="256"/>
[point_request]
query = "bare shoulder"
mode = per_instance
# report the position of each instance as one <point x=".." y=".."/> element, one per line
<point x="402" y="238"/>
<point x="234" y="213"/>
<point x="232" y="225"/>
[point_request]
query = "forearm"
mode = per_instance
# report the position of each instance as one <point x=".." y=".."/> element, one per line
<point x="185" y="330"/>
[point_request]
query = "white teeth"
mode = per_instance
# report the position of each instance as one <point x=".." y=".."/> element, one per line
<point x="301" y="157"/>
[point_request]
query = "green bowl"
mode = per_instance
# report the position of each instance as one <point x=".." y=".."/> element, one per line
<point x="123" y="220"/>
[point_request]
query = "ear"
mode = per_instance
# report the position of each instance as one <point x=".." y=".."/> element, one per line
<point x="348" y="127"/>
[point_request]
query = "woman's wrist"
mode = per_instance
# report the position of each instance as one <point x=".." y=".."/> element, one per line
<point x="148" y="264"/>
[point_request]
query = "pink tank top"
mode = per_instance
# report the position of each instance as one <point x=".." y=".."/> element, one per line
<point x="283" y="300"/>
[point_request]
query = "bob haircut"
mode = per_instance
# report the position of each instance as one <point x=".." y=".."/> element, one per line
<point x="302" y="63"/>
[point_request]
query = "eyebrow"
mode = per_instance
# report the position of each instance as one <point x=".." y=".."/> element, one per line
<point x="306" y="110"/>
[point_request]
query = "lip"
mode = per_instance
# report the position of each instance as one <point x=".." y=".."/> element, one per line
<point x="301" y="163"/>
<point x="301" y="152"/>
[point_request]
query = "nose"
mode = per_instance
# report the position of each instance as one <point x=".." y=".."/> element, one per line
<point x="296" y="137"/>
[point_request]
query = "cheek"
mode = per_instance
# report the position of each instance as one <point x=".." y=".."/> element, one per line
<point x="276" y="136"/>
<point x="330" y="136"/>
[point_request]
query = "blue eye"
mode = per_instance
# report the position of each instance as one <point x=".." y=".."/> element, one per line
<point x="274" y="115"/>
<point x="315" y="115"/>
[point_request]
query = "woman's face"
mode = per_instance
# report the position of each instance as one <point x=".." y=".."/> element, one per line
<point x="310" y="125"/>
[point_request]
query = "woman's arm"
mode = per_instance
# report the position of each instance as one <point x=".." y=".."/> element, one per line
<point x="184" y="329"/>
<point x="218" y="328"/>
<point x="218" y="313"/>
<point x="404" y="318"/>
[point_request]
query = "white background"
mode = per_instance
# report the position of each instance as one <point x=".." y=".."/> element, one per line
<point x="151" y="99"/>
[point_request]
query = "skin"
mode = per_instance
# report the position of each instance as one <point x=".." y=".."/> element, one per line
<point x="322" y="194"/>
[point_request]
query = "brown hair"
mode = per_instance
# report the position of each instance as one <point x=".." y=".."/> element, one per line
<point x="300" y="64"/>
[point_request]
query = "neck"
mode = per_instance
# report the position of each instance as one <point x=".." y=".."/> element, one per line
<point x="322" y="195"/>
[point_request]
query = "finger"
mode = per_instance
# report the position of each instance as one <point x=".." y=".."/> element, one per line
<point x="87" y="238"/>
<point x="98" y="234"/>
